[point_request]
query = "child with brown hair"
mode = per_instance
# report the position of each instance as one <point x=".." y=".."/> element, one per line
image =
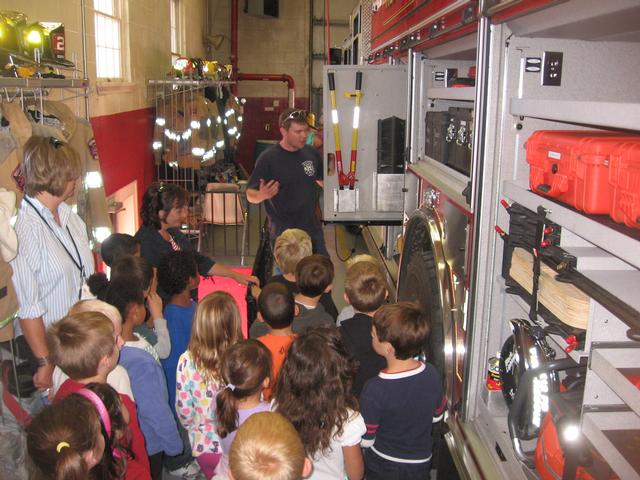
<point x="65" y="440"/>
<point x="277" y="309"/>
<point x="400" y="405"/>
<point x="314" y="276"/>
<point x="290" y="247"/>
<point x="118" y="378"/>
<point x="267" y="447"/>
<point x="246" y="368"/>
<point x="314" y="391"/>
<point x="365" y="290"/>
<point x="84" y="346"/>
<point x="216" y="327"/>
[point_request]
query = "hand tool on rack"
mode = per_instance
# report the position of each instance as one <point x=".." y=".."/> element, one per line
<point x="351" y="176"/>
<point x="342" y="179"/>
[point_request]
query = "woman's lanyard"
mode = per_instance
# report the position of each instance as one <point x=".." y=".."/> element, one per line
<point x="77" y="263"/>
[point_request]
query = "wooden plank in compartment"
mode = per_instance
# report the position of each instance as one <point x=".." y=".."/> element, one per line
<point x="564" y="300"/>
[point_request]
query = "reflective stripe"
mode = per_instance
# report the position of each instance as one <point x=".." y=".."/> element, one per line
<point x="400" y="460"/>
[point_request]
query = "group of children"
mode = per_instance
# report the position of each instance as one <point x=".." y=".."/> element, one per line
<point x="302" y="398"/>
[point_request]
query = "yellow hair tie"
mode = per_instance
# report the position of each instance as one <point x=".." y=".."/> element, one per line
<point x="62" y="445"/>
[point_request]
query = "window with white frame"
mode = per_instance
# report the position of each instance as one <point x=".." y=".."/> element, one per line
<point x="108" y="34"/>
<point x="177" y="43"/>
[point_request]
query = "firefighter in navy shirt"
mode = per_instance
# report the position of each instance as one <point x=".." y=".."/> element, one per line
<point x="286" y="178"/>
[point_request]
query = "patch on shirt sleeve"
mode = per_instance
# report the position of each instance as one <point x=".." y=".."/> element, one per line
<point x="309" y="168"/>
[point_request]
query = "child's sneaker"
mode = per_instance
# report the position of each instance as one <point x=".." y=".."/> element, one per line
<point x="190" y="471"/>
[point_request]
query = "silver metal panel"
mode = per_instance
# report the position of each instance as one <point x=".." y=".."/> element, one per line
<point x="607" y="362"/>
<point x="594" y="426"/>
<point x="346" y="201"/>
<point x="384" y="94"/>
<point x="389" y="194"/>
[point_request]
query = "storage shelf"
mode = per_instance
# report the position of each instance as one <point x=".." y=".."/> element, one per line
<point x="558" y="340"/>
<point x="601" y="114"/>
<point x="609" y="432"/>
<point x="613" y="241"/>
<point x="463" y="93"/>
<point x="7" y="82"/>
<point x="610" y="365"/>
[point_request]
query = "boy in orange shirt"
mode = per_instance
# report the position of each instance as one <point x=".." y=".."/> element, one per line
<point x="277" y="308"/>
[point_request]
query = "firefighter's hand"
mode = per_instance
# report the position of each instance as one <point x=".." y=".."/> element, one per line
<point x="268" y="189"/>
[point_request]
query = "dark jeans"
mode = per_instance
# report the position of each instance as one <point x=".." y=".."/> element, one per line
<point x="155" y="462"/>
<point x="171" y="463"/>
<point x="377" y="468"/>
<point x="317" y="240"/>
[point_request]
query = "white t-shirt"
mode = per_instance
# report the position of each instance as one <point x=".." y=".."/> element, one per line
<point x="330" y="466"/>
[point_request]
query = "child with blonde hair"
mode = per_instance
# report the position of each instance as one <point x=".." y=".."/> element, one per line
<point x="348" y="311"/>
<point x="246" y="368"/>
<point x="267" y="447"/>
<point x="216" y="327"/>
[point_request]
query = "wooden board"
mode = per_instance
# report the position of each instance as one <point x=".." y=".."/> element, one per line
<point x="564" y="300"/>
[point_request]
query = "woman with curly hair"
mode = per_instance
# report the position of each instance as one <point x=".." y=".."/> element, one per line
<point x="165" y="207"/>
<point x="314" y="392"/>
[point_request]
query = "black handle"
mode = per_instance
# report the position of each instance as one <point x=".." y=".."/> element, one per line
<point x="358" y="80"/>
<point x="332" y="81"/>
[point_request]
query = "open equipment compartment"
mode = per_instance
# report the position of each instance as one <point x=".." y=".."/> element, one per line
<point x="600" y="50"/>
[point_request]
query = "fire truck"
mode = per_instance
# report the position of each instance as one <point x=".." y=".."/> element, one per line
<point x="491" y="149"/>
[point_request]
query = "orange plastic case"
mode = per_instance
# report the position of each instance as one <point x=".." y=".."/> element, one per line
<point x="624" y="174"/>
<point x="594" y="171"/>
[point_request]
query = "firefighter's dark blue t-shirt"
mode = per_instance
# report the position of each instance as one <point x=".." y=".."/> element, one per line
<point x="294" y="205"/>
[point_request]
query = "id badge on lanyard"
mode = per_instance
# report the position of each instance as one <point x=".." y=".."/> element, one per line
<point x="85" y="292"/>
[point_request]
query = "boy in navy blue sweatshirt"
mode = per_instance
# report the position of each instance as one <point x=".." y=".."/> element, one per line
<point x="400" y="405"/>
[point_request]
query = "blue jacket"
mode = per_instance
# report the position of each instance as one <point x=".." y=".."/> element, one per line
<point x="156" y="418"/>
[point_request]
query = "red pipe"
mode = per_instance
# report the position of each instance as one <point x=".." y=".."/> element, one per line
<point x="272" y="77"/>
<point x="234" y="44"/>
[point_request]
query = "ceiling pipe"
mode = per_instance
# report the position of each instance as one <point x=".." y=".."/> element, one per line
<point x="272" y="77"/>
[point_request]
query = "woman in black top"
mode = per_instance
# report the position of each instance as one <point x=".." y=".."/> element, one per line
<point x="164" y="210"/>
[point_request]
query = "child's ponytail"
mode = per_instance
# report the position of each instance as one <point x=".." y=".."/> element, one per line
<point x="226" y="411"/>
<point x="245" y="366"/>
<point x="71" y="465"/>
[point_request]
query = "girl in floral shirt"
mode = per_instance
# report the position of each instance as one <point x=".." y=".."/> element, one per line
<point x="216" y="326"/>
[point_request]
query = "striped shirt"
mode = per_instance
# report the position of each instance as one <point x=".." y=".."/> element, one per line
<point x="46" y="279"/>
